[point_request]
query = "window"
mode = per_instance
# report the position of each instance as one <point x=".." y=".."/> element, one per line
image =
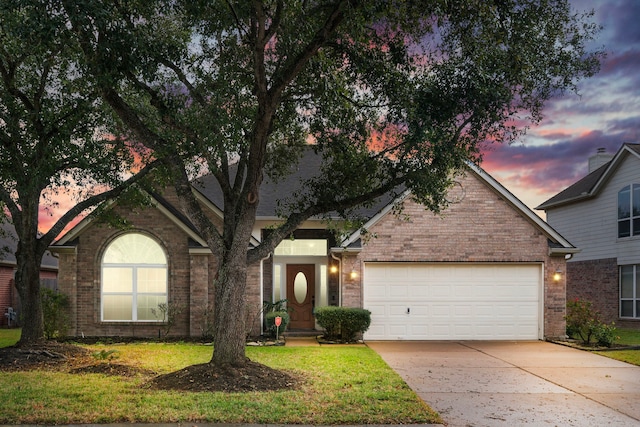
<point x="134" y="279"/>
<point x="302" y="247"/>
<point x="630" y="291"/>
<point x="629" y="211"/>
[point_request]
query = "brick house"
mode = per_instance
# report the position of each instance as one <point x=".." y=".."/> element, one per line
<point x="601" y="215"/>
<point x="8" y="293"/>
<point x="483" y="269"/>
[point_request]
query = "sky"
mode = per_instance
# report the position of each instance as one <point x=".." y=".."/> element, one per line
<point x="555" y="153"/>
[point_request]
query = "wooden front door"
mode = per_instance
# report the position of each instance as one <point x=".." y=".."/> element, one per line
<point x="301" y="289"/>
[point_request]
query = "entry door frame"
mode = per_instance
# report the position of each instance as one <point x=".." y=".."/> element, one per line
<point x="301" y="315"/>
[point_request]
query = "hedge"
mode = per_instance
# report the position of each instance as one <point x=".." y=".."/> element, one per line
<point x="343" y="323"/>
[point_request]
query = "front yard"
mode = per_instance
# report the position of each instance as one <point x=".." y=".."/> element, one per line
<point x="338" y="385"/>
<point x="630" y="337"/>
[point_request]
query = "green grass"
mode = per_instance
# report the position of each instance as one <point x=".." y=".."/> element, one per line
<point x="9" y="337"/>
<point x="342" y="385"/>
<point x="626" y="337"/>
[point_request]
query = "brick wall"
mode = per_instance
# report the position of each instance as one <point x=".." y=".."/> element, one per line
<point x="597" y="281"/>
<point x="483" y="227"/>
<point x="80" y="276"/>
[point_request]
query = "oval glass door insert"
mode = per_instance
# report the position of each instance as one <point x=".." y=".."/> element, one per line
<point x="300" y="287"/>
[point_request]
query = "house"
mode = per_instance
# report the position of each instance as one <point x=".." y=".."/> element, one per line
<point x="483" y="269"/>
<point x="9" y="301"/>
<point x="601" y="215"/>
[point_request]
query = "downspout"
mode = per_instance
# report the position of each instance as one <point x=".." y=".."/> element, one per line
<point x="262" y="290"/>
<point x="339" y="277"/>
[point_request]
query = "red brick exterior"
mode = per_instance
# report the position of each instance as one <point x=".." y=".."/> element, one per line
<point x="482" y="227"/>
<point x="597" y="281"/>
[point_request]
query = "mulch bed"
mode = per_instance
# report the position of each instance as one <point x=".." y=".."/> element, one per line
<point x="72" y="359"/>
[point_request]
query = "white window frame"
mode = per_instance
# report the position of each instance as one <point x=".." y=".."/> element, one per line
<point x="634" y="217"/>
<point x="134" y="293"/>
<point x="635" y="298"/>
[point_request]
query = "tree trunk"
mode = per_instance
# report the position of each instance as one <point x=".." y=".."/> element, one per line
<point x="28" y="286"/>
<point x="230" y="306"/>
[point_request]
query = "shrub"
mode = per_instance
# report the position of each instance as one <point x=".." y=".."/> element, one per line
<point x="584" y="323"/>
<point x="55" y="312"/>
<point x="343" y="323"/>
<point x="605" y="334"/>
<point x="270" y="319"/>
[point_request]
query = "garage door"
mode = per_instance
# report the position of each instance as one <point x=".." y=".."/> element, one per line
<point x="415" y="301"/>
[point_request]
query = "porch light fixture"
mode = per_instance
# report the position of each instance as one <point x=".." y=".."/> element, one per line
<point x="557" y="275"/>
<point x="334" y="269"/>
<point x="354" y="274"/>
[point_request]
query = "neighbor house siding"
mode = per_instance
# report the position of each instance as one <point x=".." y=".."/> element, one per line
<point x="592" y="225"/>
<point x="6" y="292"/>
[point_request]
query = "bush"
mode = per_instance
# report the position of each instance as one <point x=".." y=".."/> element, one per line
<point x="270" y="319"/>
<point x="585" y="324"/>
<point x="605" y="334"/>
<point x="55" y="313"/>
<point x="343" y="323"/>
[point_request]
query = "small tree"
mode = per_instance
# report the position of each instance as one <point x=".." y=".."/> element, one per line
<point x="55" y="310"/>
<point x="585" y="323"/>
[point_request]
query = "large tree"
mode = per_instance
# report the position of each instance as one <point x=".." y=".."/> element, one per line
<point x="391" y="94"/>
<point x="52" y="134"/>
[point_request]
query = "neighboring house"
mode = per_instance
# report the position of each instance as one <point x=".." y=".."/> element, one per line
<point x="601" y="215"/>
<point x="484" y="269"/>
<point x="9" y="300"/>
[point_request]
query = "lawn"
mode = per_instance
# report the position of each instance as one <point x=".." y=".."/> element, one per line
<point x="627" y="337"/>
<point x="342" y="385"/>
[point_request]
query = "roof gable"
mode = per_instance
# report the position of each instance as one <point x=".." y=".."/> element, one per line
<point x="590" y="185"/>
<point x="557" y="243"/>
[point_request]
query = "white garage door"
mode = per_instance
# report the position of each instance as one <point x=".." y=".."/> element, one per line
<point x="413" y="301"/>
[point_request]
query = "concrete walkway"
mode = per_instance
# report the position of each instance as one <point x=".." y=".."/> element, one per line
<point x="480" y="383"/>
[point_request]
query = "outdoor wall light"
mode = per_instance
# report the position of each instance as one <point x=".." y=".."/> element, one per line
<point x="334" y="269"/>
<point x="354" y="274"/>
<point x="557" y="276"/>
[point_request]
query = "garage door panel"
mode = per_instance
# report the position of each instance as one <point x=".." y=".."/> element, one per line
<point x="452" y="301"/>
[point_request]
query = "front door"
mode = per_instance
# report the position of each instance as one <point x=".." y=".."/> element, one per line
<point x="301" y="291"/>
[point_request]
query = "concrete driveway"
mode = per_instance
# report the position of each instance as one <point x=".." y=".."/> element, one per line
<point x="478" y="383"/>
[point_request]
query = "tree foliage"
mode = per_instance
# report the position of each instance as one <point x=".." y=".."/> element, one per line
<point x="53" y="136"/>
<point x="391" y="94"/>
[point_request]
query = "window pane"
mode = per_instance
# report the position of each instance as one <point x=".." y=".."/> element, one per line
<point x="152" y="280"/>
<point x="636" y="227"/>
<point x="626" y="309"/>
<point x="147" y="303"/>
<point x="624" y="203"/>
<point x="117" y="279"/>
<point x="637" y="308"/>
<point x="636" y="199"/>
<point x="116" y="307"/>
<point x="302" y="247"/>
<point x="626" y="281"/>
<point x="624" y="228"/>
<point x="134" y="248"/>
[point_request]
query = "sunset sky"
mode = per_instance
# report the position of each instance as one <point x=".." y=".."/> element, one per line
<point x="554" y="154"/>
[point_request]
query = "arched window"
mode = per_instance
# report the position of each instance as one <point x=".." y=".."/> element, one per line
<point x="134" y="279"/>
<point x="629" y="211"/>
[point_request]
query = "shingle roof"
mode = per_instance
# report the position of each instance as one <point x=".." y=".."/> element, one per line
<point x="589" y="185"/>
<point x="9" y="244"/>
<point x="271" y="192"/>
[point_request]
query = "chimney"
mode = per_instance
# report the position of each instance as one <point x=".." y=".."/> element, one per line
<point x="600" y="158"/>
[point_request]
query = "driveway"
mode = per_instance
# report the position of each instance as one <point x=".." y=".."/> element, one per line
<point x="478" y="383"/>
